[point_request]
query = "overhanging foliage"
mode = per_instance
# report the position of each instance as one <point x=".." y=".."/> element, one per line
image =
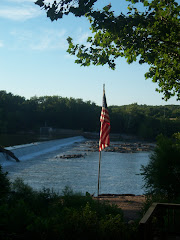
<point x="151" y="36"/>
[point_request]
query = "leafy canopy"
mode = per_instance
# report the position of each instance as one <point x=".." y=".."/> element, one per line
<point x="151" y="36"/>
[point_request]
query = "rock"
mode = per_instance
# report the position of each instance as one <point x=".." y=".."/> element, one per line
<point x="72" y="156"/>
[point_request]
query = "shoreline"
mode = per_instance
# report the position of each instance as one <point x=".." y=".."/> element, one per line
<point x="130" y="204"/>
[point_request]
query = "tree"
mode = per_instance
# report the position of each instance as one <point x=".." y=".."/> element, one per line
<point x="151" y="36"/>
<point x="162" y="174"/>
<point x="8" y="153"/>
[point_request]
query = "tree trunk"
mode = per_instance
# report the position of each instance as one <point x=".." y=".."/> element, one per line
<point x="9" y="153"/>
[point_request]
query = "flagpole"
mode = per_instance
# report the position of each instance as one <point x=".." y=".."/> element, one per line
<point x="103" y="88"/>
<point x="104" y="132"/>
<point x="99" y="171"/>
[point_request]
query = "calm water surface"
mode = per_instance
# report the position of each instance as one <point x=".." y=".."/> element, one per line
<point x="118" y="171"/>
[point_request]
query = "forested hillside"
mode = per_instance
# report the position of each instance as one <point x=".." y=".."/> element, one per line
<point x="18" y="114"/>
<point x="146" y="121"/>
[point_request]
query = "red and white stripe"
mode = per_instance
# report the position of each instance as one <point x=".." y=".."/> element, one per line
<point x="105" y="129"/>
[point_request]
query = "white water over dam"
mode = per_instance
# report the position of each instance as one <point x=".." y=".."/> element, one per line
<point x="28" y="151"/>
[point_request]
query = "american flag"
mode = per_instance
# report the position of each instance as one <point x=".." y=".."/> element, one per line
<point x="105" y="125"/>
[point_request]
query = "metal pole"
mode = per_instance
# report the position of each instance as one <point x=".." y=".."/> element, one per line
<point x="99" y="171"/>
<point x="100" y="153"/>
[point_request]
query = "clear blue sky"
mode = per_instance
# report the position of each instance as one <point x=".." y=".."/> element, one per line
<point x="34" y="61"/>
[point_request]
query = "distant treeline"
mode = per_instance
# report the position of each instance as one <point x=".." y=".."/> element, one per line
<point x="18" y="114"/>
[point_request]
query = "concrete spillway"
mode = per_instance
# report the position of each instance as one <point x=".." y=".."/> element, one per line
<point x="28" y="151"/>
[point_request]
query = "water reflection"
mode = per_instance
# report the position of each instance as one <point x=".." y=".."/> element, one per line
<point x="118" y="171"/>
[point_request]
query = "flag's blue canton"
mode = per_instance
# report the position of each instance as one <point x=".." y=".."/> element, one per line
<point x="104" y="104"/>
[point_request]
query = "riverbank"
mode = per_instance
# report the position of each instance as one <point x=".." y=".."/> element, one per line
<point x="129" y="203"/>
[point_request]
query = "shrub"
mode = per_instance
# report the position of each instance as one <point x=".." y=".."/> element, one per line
<point x="4" y="184"/>
<point x="29" y="214"/>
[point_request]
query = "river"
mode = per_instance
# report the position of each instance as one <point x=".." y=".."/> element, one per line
<point x="119" y="171"/>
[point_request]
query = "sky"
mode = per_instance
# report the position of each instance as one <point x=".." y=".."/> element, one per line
<point x="34" y="59"/>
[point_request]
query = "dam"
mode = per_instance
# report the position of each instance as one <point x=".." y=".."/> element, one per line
<point x="28" y="151"/>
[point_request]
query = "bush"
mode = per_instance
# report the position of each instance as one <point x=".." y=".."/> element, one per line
<point x="29" y="214"/>
<point x="4" y="184"/>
